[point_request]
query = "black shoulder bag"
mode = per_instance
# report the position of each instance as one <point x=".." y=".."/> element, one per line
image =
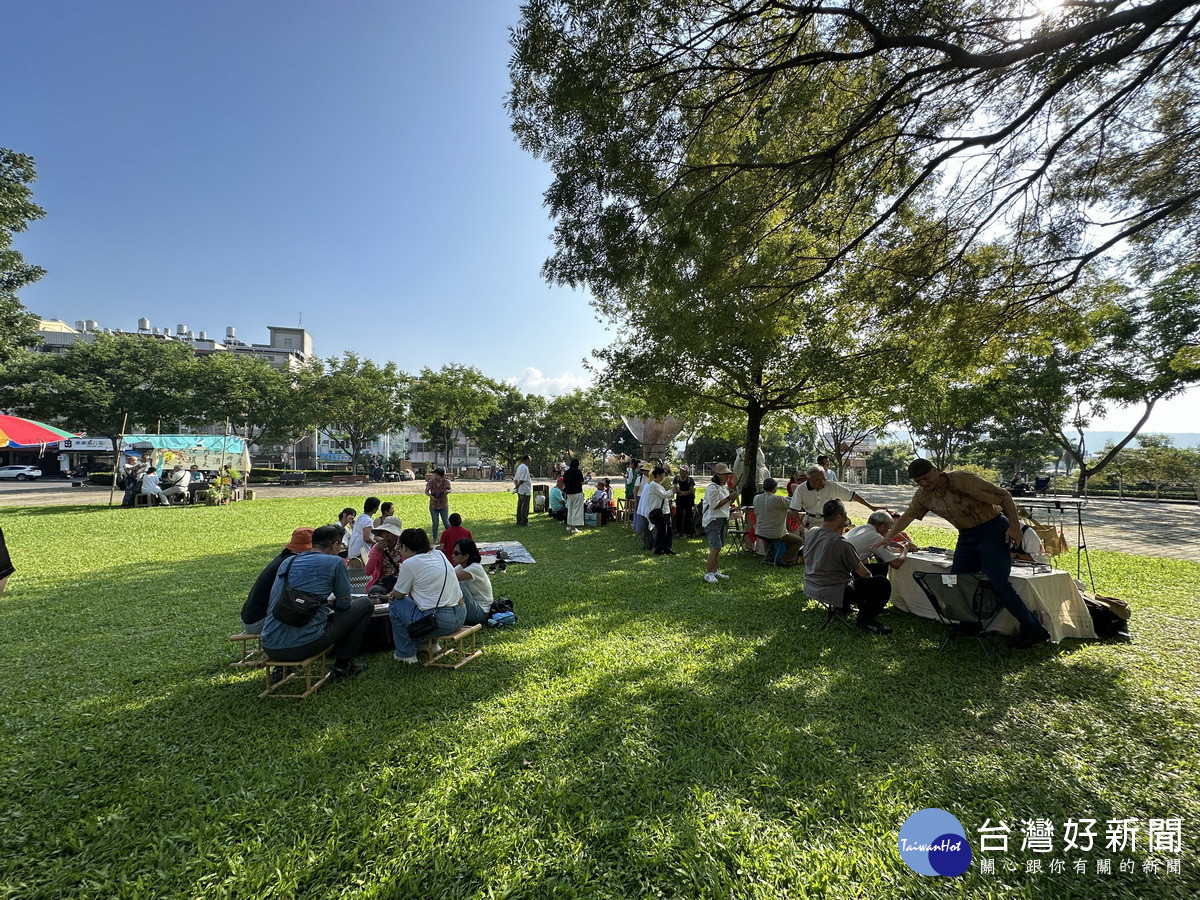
<point x="296" y="607"/>
<point x="418" y="629"/>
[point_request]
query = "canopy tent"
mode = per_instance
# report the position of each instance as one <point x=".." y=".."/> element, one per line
<point x="16" y="432"/>
<point x="206" y="451"/>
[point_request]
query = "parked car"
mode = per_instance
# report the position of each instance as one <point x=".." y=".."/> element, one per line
<point x="20" y="473"/>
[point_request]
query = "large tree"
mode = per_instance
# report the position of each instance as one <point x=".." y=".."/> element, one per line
<point x="1068" y="134"/>
<point x="17" y="209"/>
<point x="256" y="398"/>
<point x="453" y="400"/>
<point x="94" y="386"/>
<point x="352" y="399"/>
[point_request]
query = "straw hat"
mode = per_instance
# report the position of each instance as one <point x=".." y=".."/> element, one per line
<point x="720" y="469"/>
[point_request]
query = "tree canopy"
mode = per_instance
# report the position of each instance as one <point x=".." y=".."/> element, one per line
<point x="1067" y="135"/>
<point x="352" y="399"/>
<point x="17" y="210"/>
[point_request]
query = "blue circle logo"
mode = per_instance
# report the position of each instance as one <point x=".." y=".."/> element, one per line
<point x="933" y="842"/>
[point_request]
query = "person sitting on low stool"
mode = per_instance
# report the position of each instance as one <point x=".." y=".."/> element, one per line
<point x="834" y="575"/>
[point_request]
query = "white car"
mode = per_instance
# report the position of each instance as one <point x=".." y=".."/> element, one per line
<point x="20" y="473"/>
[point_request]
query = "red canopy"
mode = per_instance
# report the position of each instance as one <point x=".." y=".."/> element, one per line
<point x="18" y="432"/>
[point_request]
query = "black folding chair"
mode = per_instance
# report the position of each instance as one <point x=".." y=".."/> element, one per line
<point x="966" y="604"/>
<point x="833" y="614"/>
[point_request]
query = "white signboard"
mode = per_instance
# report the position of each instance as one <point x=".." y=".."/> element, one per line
<point x="78" y="444"/>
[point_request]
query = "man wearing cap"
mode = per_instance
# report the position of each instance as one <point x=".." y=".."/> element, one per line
<point x="523" y="485"/>
<point x="177" y="483"/>
<point x="834" y="575"/>
<point x="338" y="625"/>
<point x="986" y="519"/>
<point x="717" y="499"/>
<point x="809" y="499"/>
<point x="254" y="610"/>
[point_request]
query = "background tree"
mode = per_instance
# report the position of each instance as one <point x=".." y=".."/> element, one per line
<point x="849" y="424"/>
<point x="254" y="397"/>
<point x="454" y="400"/>
<point x="943" y="416"/>
<point x="1140" y="348"/>
<point x="351" y="399"/>
<point x="1158" y="461"/>
<point x="581" y="423"/>
<point x="17" y="325"/>
<point x="94" y="386"/>
<point x="510" y="430"/>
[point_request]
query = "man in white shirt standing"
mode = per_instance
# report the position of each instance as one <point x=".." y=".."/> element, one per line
<point x="717" y="500"/>
<point x="809" y="498"/>
<point x="523" y="485"/>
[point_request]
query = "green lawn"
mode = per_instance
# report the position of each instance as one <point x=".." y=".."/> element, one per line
<point x="638" y="734"/>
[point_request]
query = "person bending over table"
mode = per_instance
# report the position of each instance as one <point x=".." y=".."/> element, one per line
<point x="834" y="575"/>
<point x="809" y="498"/>
<point x="865" y="539"/>
<point x="473" y="581"/>
<point x="322" y="572"/>
<point x="426" y="584"/>
<point x="986" y="518"/>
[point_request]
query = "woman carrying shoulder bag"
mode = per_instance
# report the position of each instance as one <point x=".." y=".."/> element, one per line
<point x="425" y="585"/>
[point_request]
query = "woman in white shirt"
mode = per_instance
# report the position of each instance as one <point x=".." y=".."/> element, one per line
<point x="717" y="500"/>
<point x="425" y="584"/>
<point x="473" y="581"/>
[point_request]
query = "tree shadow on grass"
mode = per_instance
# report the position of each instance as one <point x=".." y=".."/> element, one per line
<point x="623" y="740"/>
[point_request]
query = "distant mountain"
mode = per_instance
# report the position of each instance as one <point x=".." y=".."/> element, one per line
<point x="1097" y="439"/>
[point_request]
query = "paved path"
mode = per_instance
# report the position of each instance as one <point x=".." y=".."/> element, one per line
<point x="1141" y="527"/>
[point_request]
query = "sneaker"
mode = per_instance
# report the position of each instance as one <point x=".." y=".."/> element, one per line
<point x="277" y="675"/>
<point x="352" y="668"/>
<point x="710" y="577"/>
<point x="721" y="575"/>
<point x="437" y="648"/>
<point x="411" y="660"/>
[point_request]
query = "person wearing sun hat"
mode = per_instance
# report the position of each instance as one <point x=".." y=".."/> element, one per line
<point x="254" y="610"/>
<point x="717" y="500"/>
<point x="383" y="564"/>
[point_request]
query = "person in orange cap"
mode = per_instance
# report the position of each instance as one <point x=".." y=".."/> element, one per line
<point x="254" y="610"/>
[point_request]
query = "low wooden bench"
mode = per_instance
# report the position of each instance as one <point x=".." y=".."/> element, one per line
<point x="310" y="674"/>
<point x="350" y="479"/>
<point x="252" y="651"/>
<point x="453" y="655"/>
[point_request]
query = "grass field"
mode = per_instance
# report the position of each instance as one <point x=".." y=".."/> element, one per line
<point x="638" y="734"/>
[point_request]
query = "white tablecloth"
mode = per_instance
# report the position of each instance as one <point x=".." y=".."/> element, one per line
<point x="1051" y="596"/>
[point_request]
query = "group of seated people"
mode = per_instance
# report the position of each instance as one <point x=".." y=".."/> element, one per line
<point x="176" y="485"/>
<point x="403" y="570"/>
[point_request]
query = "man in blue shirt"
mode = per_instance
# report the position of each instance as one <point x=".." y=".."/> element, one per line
<point x="322" y="572"/>
<point x="558" y="502"/>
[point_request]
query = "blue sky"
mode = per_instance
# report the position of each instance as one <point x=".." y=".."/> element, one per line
<point x="345" y="165"/>
<point x="348" y="165"/>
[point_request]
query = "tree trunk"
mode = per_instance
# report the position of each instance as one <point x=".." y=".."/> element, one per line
<point x="754" y="420"/>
